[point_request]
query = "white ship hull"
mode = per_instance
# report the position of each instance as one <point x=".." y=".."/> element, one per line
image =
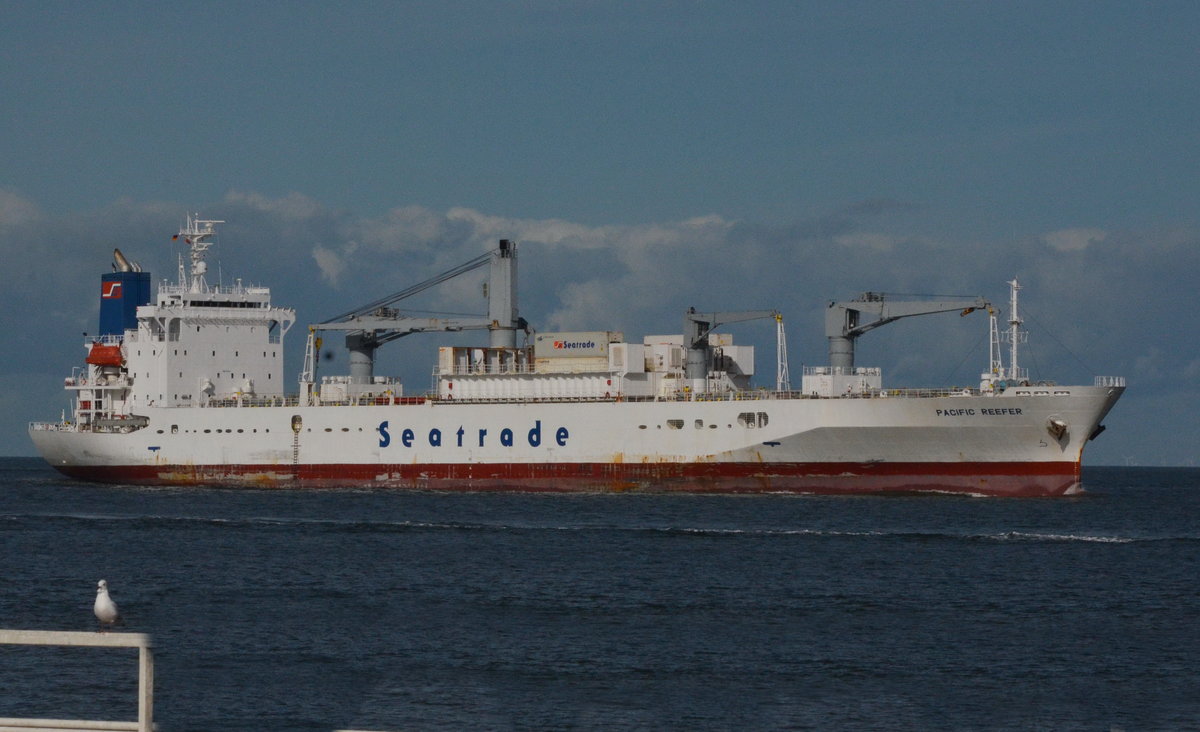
<point x="988" y="445"/>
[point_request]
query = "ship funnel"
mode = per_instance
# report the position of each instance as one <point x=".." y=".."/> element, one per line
<point x="120" y="263"/>
<point x="121" y="293"/>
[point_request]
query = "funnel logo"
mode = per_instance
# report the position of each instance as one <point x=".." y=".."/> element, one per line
<point x="110" y="290"/>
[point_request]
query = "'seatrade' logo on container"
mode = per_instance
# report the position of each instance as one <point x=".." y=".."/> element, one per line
<point x="572" y="344"/>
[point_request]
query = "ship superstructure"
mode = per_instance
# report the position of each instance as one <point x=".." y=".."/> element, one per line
<point x="196" y="345"/>
<point x="189" y="389"/>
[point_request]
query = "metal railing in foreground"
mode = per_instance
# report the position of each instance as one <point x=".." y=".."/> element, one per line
<point x="140" y="641"/>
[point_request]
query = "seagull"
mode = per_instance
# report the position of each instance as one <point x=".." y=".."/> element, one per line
<point x="105" y="608"/>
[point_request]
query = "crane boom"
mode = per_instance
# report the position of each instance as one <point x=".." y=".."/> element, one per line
<point x="371" y="325"/>
<point x="843" y="319"/>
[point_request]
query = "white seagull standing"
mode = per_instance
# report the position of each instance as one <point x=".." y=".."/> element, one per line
<point x="105" y="608"/>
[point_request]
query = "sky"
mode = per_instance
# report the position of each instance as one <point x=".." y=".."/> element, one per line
<point x="648" y="156"/>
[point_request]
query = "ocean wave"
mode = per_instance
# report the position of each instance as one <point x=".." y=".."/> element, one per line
<point x="1030" y="536"/>
<point x="364" y="525"/>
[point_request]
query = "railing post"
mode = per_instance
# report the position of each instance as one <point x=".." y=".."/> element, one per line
<point x="145" y="688"/>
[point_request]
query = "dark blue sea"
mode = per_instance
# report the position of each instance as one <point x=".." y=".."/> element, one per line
<point x="355" y="609"/>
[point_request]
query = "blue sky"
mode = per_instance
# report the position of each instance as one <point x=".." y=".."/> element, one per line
<point x="650" y="156"/>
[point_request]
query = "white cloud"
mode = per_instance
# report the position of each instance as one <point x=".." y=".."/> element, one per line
<point x="16" y="210"/>
<point x="293" y="206"/>
<point x="330" y="263"/>
<point x="1074" y="240"/>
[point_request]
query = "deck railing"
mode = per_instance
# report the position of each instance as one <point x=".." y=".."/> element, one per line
<point x="140" y="641"/>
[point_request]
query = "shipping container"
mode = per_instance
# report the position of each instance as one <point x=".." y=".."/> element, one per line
<point x="575" y="344"/>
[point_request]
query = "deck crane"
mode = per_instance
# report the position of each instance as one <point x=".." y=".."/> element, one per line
<point x="696" y="327"/>
<point x="843" y="324"/>
<point x="377" y="322"/>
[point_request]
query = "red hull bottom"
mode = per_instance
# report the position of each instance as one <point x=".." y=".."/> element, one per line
<point x="985" y="479"/>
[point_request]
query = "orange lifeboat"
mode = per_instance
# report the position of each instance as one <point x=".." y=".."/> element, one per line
<point x="103" y="355"/>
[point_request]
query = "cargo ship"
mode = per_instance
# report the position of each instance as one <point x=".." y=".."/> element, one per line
<point x="186" y="386"/>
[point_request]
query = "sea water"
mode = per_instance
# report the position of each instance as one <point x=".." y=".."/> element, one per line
<point x="396" y="610"/>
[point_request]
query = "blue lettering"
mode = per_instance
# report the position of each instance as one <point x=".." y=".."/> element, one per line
<point x="508" y="437"/>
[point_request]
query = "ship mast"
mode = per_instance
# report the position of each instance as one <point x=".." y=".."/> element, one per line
<point x="782" y="380"/>
<point x="196" y="235"/>
<point x="1015" y="334"/>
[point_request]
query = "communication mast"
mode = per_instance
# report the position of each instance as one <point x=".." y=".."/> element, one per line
<point x="196" y="235"/>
